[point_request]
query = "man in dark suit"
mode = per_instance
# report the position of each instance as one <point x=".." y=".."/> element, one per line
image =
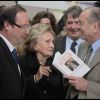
<point x="70" y="39"/>
<point x="72" y="28"/>
<point x="14" y="23"/>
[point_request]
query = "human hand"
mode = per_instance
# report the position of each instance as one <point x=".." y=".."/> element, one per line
<point x="43" y="70"/>
<point x="79" y="83"/>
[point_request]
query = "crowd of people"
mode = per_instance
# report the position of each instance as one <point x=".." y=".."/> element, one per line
<point x="27" y="50"/>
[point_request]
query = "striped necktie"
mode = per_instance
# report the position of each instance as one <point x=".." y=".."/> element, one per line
<point x="89" y="53"/>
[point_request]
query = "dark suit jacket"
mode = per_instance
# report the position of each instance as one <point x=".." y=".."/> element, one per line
<point x="11" y="84"/>
<point x="48" y="87"/>
<point x="60" y="44"/>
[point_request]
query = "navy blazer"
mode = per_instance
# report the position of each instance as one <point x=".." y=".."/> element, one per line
<point x="11" y="83"/>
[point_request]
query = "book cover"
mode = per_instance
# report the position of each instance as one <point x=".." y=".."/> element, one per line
<point x="70" y="64"/>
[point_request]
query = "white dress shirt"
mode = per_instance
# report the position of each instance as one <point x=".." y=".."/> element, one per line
<point x="69" y="42"/>
<point x="95" y="47"/>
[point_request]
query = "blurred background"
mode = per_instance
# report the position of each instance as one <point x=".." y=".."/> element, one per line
<point x="55" y="7"/>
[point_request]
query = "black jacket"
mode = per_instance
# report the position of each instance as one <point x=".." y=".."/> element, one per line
<point x="60" y="44"/>
<point x="48" y="87"/>
<point x="11" y="83"/>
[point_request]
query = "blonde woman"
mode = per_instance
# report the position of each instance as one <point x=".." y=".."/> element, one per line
<point x="43" y="81"/>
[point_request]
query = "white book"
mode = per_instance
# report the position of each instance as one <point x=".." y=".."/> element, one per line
<point x="70" y="64"/>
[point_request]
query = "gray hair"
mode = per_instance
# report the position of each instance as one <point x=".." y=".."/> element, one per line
<point x="94" y="14"/>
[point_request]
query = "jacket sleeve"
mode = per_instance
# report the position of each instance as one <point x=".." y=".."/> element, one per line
<point x="93" y="91"/>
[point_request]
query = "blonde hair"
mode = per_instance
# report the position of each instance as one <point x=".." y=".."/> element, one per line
<point x="35" y="32"/>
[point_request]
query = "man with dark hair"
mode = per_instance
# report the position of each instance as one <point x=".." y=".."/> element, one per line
<point x="14" y="24"/>
<point x="72" y="38"/>
<point x="73" y="30"/>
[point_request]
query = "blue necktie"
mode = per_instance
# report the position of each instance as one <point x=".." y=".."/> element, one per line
<point x="14" y="53"/>
<point x="74" y="43"/>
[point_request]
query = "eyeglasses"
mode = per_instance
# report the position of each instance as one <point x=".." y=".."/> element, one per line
<point x="22" y="26"/>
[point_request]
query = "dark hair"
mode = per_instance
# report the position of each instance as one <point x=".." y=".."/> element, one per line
<point x="9" y="14"/>
<point x="44" y="14"/>
<point x="97" y="4"/>
<point x="61" y="24"/>
<point x="2" y="8"/>
<point x="74" y="11"/>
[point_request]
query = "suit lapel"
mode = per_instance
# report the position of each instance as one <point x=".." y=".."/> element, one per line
<point x="96" y="59"/>
<point x="63" y="44"/>
<point x="9" y="56"/>
<point x="83" y="51"/>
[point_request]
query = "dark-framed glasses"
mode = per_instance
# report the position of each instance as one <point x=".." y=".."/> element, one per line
<point x="22" y="26"/>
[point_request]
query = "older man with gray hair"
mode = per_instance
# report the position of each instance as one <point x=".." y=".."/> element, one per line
<point x="88" y="87"/>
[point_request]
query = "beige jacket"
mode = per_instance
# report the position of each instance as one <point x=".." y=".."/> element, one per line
<point x="93" y="76"/>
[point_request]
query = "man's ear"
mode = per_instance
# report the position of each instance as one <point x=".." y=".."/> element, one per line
<point x="7" y="25"/>
<point x="96" y="27"/>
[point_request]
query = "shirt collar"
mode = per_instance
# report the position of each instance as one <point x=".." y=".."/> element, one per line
<point x="10" y="46"/>
<point x="78" y="40"/>
<point x="96" y="45"/>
